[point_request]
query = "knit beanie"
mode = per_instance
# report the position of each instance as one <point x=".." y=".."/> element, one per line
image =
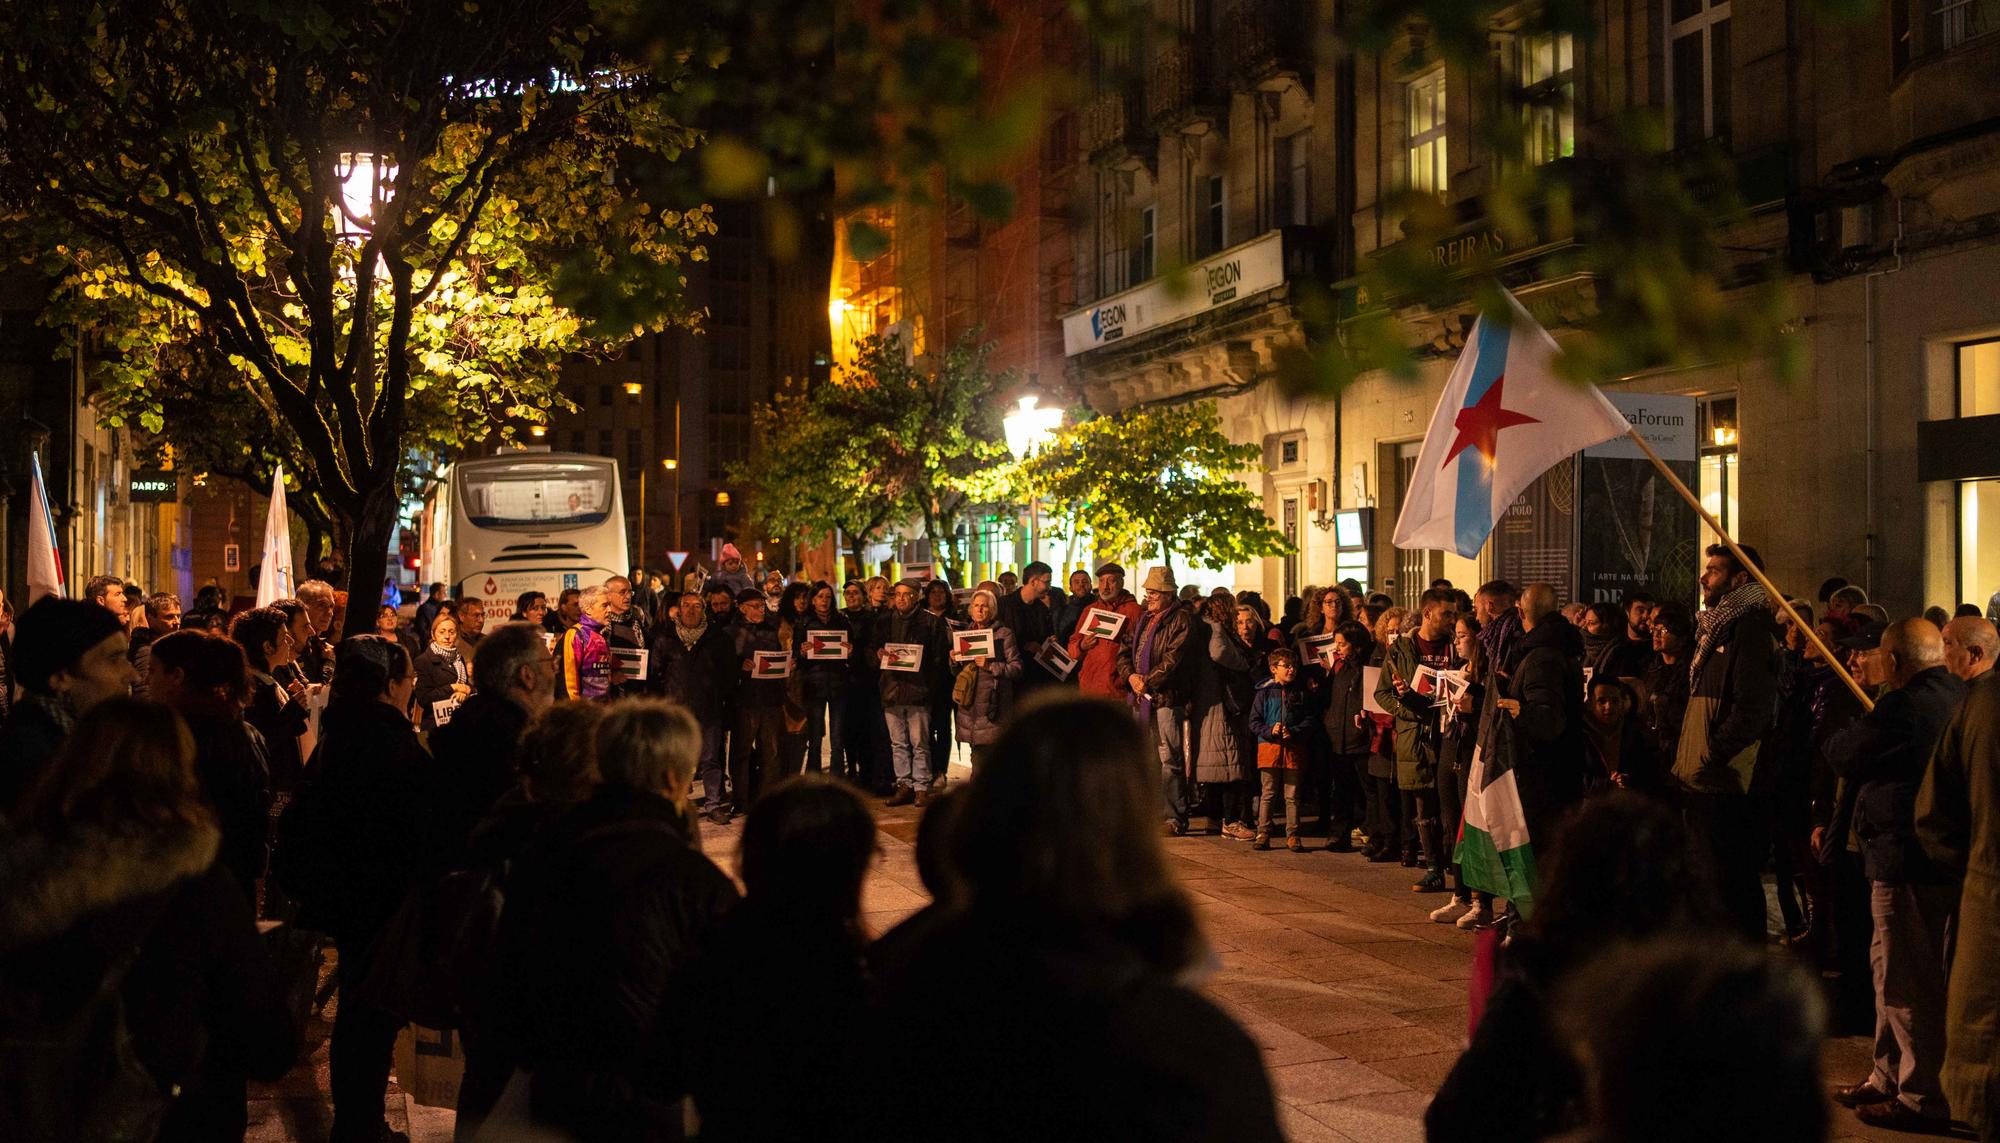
<point x="54" y="633"/>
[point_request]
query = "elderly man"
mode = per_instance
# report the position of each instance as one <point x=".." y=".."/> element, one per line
<point x="513" y="679"/>
<point x="1958" y="824"/>
<point x="1884" y="755"/>
<point x="1097" y="670"/>
<point x="1159" y="666"/>
<point x="626" y="626"/>
<point x="315" y="661"/>
<point x="587" y="668"/>
<point x="163" y="617"/>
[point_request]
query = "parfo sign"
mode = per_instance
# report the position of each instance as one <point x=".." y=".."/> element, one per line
<point x="1236" y="273"/>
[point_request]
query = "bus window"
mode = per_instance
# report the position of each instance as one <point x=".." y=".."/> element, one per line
<point x="537" y="497"/>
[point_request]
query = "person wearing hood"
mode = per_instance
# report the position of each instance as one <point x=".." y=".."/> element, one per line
<point x="731" y="573"/>
<point x="1159" y="667"/>
<point x="1534" y="712"/>
<point x="584" y="654"/>
<point x="113" y="882"/>
<point x="68" y="656"/>
<point x="1732" y="702"/>
<point x="695" y="665"/>
<point x="1097" y="670"/>
<point x="444" y="675"/>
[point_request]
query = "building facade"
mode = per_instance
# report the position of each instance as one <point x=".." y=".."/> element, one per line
<point x="1867" y="151"/>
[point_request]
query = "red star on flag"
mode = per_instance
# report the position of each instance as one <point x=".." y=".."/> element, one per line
<point x="1479" y="425"/>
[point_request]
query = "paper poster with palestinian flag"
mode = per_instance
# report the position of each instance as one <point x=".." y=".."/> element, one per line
<point x="1319" y="648"/>
<point x="1102" y="623"/>
<point x="770" y="664"/>
<point x="906" y="657"/>
<point x="1055" y="660"/>
<point x="921" y="571"/>
<point x="827" y="646"/>
<point x="1495" y="853"/>
<point x="967" y="646"/>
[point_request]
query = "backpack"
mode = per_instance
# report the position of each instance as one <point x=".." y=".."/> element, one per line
<point x="73" y="1075"/>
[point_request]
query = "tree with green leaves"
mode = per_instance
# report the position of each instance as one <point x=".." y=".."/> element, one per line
<point x="373" y="218"/>
<point x="1154" y="483"/>
<point x="893" y="439"/>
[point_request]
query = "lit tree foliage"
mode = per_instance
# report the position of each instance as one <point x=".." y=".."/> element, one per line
<point x="1154" y="483"/>
<point x="179" y="158"/>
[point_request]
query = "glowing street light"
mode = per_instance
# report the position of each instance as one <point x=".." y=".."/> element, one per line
<point x="365" y="180"/>
<point x="1029" y="430"/>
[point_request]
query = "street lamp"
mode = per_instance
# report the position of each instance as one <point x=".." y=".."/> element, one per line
<point x="365" y="179"/>
<point x="1029" y="430"/>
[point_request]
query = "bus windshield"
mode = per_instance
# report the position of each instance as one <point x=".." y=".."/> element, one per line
<point x="537" y="495"/>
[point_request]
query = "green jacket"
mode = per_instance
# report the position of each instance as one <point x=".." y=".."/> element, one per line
<point x="1416" y="752"/>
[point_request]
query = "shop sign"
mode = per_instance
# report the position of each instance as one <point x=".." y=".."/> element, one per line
<point x="1237" y="273"/>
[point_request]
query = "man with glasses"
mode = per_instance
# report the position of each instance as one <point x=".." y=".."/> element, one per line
<point x="1159" y="667"/>
<point x="906" y="694"/>
<point x="626" y="626"/>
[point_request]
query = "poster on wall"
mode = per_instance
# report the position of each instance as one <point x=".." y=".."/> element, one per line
<point x="1634" y="532"/>
<point x="1533" y="542"/>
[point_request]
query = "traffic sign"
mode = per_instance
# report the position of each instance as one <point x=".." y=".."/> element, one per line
<point x="677" y="559"/>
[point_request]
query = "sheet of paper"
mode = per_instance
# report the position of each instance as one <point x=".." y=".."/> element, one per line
<point x="908" y="657"/>
<point x="635" y="662"/>
<point x="1319" y="648"/>
<point x="1103" y="623"/>
<point x="918" y="571"/>
<point x="969" y="645"/>
<point x="1055" y="660"/>
<point x="1370" y="678"/>
<point x="442" y="710"/>
<point x="823" y="646"/>
<point x="770" y="664"/>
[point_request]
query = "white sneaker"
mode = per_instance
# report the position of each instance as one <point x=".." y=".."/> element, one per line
<point x="1480" y="916"/>
<point x="1450" y="911"/>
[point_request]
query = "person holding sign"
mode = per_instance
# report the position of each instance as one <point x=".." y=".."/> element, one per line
<point x="1097" y="655"/>
<point x="1026" y="612"/>
<point x="444" y="678"/>
<point x="983" y="693"/>
<point x="1407" y="688"/>
<point x="695" y="664"/>
<point x="908" y="645"/>
<point x="823" y="641"/>
<point x="760" y="701"/>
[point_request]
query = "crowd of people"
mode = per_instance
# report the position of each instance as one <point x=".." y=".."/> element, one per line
<point x="497" y="825"/>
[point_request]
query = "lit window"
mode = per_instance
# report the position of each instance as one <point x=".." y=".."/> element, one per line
<point x="1547" y="71"/>
<point x="1426" y="130"/>
<point x="1698" y="71"/>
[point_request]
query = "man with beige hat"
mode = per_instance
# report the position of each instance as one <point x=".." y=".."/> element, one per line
<point x="1159" y="665"/>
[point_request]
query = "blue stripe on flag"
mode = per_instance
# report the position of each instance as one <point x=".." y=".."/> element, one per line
<point x="1474" y="515"/>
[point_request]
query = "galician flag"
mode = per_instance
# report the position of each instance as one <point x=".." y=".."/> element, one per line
<point x="1504" y="419"/>
<point x="1495" y="853"/>
<point x="274" y="577"/>
<point x="45" y="572"/>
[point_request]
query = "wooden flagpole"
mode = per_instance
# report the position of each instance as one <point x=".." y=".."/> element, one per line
<point x="1715" y="526"/>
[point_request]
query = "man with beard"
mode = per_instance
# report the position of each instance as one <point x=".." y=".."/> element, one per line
<point x="1097" y="671"/>
<point x="1158" y="666"/>
<point x="1732" y="701"/>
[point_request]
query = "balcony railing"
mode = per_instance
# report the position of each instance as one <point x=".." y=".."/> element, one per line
<point x="1263" y="40"/>
<point x="1181" y="88"/>
<point x="1114" y="127"/>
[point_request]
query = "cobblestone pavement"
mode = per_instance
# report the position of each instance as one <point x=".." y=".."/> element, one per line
<point x="1329" y="962"/>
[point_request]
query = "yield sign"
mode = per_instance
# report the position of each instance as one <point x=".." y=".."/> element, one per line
<point x="677" y="559"/>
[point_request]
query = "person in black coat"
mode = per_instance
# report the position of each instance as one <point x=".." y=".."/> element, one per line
<point x="766" y="1020"/>
<point x="1620" y="868"/>
<point x="203" y="679"/>
<point x="1618" y="754"/>
<point x="1029" y="613"/>
<point x="476" y="750"/>
<point x="1883" y="755"/>
<point x="1534" y="712"/>
<point x="68" y="656"/>
<point x="695" y="664"/>
<point x="263" y="634"/>
<point x="444" y="672"/>
<point x="116" y="857"/>
<point x="360" y="832"/>
<point x="1348" y="732"/>
<point x="604" y="910"/>
<point x="824" y="682"/>
<point x="1058" y="989"/>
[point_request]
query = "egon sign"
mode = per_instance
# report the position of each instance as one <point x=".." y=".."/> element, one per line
<point x="1237" y="273"/>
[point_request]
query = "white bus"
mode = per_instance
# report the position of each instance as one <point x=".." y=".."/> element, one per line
<point x="497" y="526"/>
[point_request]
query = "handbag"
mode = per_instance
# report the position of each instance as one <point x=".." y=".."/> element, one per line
<point x="965" y="686"/>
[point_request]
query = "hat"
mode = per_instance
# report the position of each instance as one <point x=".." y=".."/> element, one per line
<point x="1160" y="579"/>
<point x="1868" y="638"/>
<point x="1111" y="569"/>
<point x="750" y="595"/>
<point x="53" y="634"/>
<point x="729" y="552"/>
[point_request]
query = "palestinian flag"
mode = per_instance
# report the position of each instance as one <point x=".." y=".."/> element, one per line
<point x="1494" y="851"/>
<point x="1102" y="623"/>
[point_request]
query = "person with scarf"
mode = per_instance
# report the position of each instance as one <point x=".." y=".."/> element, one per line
<point x="1159" y="667"/>
<point x="443" y="675"/>
<point x="1732" y="700"/>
